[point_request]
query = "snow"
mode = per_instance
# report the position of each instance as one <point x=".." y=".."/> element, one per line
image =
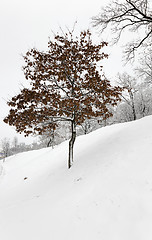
<point x="106" y="195"/>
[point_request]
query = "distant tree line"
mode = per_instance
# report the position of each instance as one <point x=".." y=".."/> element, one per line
<point x="10" y="147"/>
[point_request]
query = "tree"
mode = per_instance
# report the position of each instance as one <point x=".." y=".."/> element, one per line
<point x="14" y="148"/>
<point x="144" y="70"/>
<point x="142" y="105"/>
<point x="52" y="138"/>
<point x="66" y="85"/>
<point x="5" y="143"/>
<point x="136" y="99"/>
<point x="130" y="88"/>
<point x="122" y="113"/>
<point x="143" y="100"/>
<point x="131" y="15"/>
<point x="88" y="126"/>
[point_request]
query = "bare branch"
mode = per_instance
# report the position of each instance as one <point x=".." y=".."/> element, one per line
<point x="128" y="15"/>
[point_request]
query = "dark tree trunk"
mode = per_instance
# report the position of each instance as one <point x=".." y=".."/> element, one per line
<point x="50" y="142"/>
<point x="134" y="112"/>
<point x="71" y="143"/>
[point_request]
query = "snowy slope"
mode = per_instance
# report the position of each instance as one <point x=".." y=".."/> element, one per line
<point x="106" y="195"/>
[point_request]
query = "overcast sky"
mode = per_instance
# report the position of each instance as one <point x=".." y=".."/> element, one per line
<point x="28" y="23"/>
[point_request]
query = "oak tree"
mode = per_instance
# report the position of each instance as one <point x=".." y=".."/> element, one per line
<point x="65" y="85"/>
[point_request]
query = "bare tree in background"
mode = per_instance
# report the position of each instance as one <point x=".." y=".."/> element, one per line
<point x="143" y="101"/>
<point x="144" y="70"/>
<point x="129" y="84"/>
<point x="5" y="143"/>
<point x="130" y="15"/>
<point x="15" y="146"/>
<point x="52" y="138"/>
<point x="135" y="104"/>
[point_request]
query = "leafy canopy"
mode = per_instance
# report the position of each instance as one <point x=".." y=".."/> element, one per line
<point x="66" y="85"/>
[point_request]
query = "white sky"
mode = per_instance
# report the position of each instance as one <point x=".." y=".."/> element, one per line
<point x="28" y="23"/>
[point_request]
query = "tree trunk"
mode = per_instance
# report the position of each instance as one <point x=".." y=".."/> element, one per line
<point x="71" y="144"/>
<point x="133" y="105"/>
<point x="134" y="112"/>
<point x="50" y="142"/>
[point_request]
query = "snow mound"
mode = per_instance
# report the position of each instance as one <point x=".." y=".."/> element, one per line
<point x="107" y="194"/>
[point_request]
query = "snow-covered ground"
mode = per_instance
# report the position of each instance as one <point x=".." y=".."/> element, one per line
<point x="106" y="195"/>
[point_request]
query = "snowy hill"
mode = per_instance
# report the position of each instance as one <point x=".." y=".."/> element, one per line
<point x="106" y="195"/>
